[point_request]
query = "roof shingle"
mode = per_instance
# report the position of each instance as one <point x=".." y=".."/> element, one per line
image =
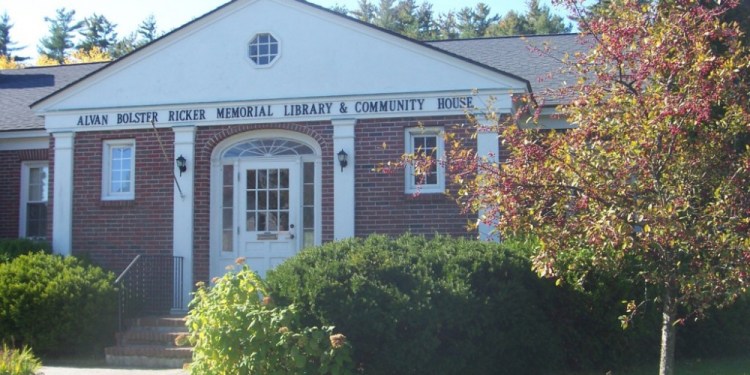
<point x="521" y="56"/>
<point x="21" y="87"/>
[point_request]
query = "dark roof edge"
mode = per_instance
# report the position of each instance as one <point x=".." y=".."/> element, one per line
<point x="503" y="37"/>
<point x="33" y="67"/>
<point x="424" y="44"/>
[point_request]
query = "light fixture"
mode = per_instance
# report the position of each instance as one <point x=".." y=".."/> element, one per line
<point x="343" y="159"/>
<point x="181" y="164"/>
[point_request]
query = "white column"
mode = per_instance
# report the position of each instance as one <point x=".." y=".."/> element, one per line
<point x="488" y="147"/>
<point x="62" y="214"/>
<point x="343" y="181"/>
<point x="182" y="221"/>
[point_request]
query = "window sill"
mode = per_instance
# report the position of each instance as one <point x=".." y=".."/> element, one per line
<point x="117" y="203"/>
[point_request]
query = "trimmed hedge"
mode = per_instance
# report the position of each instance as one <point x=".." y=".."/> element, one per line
<point x="418" y="306"/>
<point x="11" y="248"/>
<point x="56" y="305"/>
<point x="445" y="306"/>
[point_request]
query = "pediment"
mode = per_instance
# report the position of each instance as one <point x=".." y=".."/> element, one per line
<point x="319" y="54"/>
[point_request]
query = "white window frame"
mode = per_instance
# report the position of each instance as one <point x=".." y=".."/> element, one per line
<point x="411" y="187"/>
<point x="107" y="193"/>
<point x="25" y="178"/>
<point x="276" y="56"/>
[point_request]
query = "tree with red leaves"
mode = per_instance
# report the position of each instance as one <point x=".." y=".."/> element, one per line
<point x="654" y="181"/>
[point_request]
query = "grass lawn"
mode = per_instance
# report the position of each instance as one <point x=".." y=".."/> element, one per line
<point x="727" y="366"/>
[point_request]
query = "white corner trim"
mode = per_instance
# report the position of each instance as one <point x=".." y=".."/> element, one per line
<point x="62" y="212"/>
<point x="343" y="180"/>
<point x="488" y="148"/>
<point x="183" y="207"/>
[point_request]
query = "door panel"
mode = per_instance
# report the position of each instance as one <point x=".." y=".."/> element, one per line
<point x="268" y="213"/>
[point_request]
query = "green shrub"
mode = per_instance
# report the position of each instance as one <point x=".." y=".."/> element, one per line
<point x="235" y="329"/>
<point x="721" y="333"/>
<point x="18" y="361"/>
<point x="418" y="306"/>
<point x="11" y="248"/>
<point x="56" y="305"/>
<point x="445" y="306"/>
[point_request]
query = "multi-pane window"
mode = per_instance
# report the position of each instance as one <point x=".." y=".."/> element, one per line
<point x="264" y="49"/>
<point x="118" y="174"/>
<point x="267" y="192"/>
<point x="227" y="206"/>
<point x="308" y="205"/>
<point x="34" y="179"/>
<point x="428" y="178"/>
<point x="267" y="200"/>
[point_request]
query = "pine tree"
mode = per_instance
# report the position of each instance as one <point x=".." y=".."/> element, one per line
<point x="427" y="28"/>
<point x="365" y="11"/>
<point x="512" y="23"/>
<point x="147" y="30"/>
<point x="60" y="40"/>
<point x="6" y="43"/>
<point x="124" y="46"/>
<point x="537" y="20"/>
<point x="97" y="31"/>
<point x="385" y="15"/>
<point x="541" y="20"/>
<point x="474" y="22"/>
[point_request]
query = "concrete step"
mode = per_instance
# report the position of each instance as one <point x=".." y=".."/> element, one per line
<point x="160" y="321"/>
<point x="150" y="351"/>
<point x="150" y="343"/>
<point x="139" y="337"/>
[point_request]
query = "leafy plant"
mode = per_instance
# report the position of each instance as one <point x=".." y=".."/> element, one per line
<point x="413" y="305"/>
<point x="236" y="329"/>
<point x="56" y="305"/>
<point x="653" y="180"/>
<point x="18" y="361"/>
<point x="11" y="248"/>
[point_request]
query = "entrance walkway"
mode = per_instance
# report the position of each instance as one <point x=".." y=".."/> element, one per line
<point x="54" y="370"/>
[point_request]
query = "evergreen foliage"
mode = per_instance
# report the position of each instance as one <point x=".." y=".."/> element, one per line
<point x="11" y="248"/>
<point x="420" y="22"/>
<point x="97" y="32"/>
<point x="56" y="305"/>
<point x="7" y="46"/>
<point x="60" y="39"/>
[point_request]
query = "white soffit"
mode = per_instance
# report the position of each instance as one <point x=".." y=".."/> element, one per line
<point x="321" y="55"/>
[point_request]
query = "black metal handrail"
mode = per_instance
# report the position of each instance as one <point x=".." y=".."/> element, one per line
<point x="150" y="284"/>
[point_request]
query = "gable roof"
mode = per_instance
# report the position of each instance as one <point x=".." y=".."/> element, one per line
<point x="447" y="51"/>
<point x="521" y="56"/>
<point x="21" y="87"/>
<point x="512" y="57"/>
<point x="326" y="45"/>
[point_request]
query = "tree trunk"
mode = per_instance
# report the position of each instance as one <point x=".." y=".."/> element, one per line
<point x="668" y="332"/>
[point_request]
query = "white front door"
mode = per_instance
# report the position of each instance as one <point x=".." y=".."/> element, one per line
<point x="268" y="212"/>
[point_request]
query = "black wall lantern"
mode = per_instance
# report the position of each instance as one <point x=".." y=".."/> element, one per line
<point x="343" y="159"/>
<point x="181" y="164"/>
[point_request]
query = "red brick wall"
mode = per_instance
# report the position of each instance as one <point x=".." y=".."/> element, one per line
<point x="10" y="175"/>
<point x="10" y="188"/>
<point x="206" y="140"/>
<point x="111" y="233"/>
<point x="381" y="204"/>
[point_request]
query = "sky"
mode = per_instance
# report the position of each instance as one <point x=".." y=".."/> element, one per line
<point x="27" y="16"/>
